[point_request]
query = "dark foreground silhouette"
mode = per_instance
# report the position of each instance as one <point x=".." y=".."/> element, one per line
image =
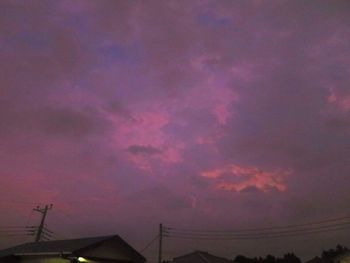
<point x="327" y="256"/>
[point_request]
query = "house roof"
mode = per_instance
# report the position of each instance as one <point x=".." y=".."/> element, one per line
<point x="68" y="246"/>
<point x="200" y="257"/>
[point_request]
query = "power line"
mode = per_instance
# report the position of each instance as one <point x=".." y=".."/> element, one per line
<point x="258" y="229"/>
<point x="13" y="231"/>
<point x="257" y="236"/>
<point x="242" y="234"/>
<point x="14" y="235"/>
<point x="47" y="230"/>
<point x="315" y="227"/>
<point x="150" y="243"/>
<point x="12" y="227"/>
<point x="20" y="202"/>
<point x="41" y="231"/>
<point x="20" y="230"/>
<point x="68" y="218"/>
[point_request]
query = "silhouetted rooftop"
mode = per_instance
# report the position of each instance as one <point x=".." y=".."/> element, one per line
<point x="68" y="246"/>
<point x="200" y="257"/>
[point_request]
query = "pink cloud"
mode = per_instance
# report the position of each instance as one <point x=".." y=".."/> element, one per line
<point x="212" y="91"/>
<point x="341" y="101"/>
<point x="210" y="138"/>
<point x="144" y="131"/>
<point x="246" y="177"/>
<point x="222" y="113"/>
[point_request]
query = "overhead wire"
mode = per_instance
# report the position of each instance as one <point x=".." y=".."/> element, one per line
<point x="12" y="227"/>
<point x="315" y="227"/>
<point x="150" y="243"/>
<point x="15" y="235"/>
<point x="257" y="236"/>
<point x="14" y="230"/>
<point x="262" y="228"/>
<point x="58" y="211"/>
<point x="6" y="231"/>
<point x="296" y="230"/>
<point x="20" y="202"/>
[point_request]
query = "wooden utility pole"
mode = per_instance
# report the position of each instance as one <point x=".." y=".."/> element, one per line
<point x="160" y="243"/>
<point x="43" y="211"/>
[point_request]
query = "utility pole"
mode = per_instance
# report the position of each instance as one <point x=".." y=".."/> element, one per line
<point x="43" y="211"/>
<point x="160" y="243"/>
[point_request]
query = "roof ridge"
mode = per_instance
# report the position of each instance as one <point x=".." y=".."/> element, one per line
<point x="49" y="245"/>
<point x="203" y="257"/>
<point x="72" y="239"/>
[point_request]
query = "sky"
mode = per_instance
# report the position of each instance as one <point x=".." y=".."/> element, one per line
<point x="194" y="114"/>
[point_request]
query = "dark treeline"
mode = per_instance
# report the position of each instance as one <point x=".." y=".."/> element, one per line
<point x="287" y="258"/>
<point x="327" y="256"/>
<point x="331" y="254"/>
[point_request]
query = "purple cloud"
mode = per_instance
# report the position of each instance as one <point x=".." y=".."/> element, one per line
<point x="197" y="114"/>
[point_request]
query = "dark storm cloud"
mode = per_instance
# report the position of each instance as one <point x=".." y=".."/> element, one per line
<point x="141" y="149"/>
<point x="341" y="123"/>
<point x="50" y="121"/>
<point x="250" y="189"/>
<point x="66" y="122"/>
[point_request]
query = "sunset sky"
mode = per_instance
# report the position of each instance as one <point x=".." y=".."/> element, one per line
<point x="194" y="114"/>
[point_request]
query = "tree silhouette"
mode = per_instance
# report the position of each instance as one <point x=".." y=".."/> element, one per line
<point x="242" y="259"/>
<point x="331" y="254"/>
<point x="287" y="258"/>
<point x="290" y="258"/>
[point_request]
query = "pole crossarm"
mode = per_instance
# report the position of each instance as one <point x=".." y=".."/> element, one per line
<point x="43" y="211"/>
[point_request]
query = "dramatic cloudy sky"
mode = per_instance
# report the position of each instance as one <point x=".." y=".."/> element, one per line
<point x="196" y="114"/>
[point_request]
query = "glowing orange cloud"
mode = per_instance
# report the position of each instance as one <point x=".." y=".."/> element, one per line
<point x="247" y="177"/>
